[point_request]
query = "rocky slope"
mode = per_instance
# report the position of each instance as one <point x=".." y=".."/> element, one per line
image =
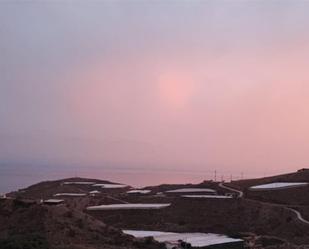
<point x="30" y="226"/>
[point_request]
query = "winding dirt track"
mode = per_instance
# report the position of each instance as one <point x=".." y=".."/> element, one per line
<point x="241" y="195"/>
<point x="299" y="216"/>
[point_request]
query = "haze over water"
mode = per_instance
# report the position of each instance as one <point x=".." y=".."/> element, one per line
<point x="146" y="92"/>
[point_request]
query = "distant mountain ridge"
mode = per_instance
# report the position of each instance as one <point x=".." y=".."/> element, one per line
<point x="47" y="189"/>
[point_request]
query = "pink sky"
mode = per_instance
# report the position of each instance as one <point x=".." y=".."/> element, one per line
<point x="137" y="88"/>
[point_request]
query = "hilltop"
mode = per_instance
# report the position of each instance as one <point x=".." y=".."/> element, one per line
<point x="291" y="196"/>
<point x="47" y="189"/>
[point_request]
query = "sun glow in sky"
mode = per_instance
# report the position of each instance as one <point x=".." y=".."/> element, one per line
<point x="176" y="89"/>
<point x="161" y="86"/>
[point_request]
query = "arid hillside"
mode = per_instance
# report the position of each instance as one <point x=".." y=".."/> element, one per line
<point x="231" y="216"/>
<point x="34" y="226"/>
<point x="290" y="196"/>
<point x="72" y="224"/>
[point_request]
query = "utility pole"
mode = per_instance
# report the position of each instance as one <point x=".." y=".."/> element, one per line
<point x="215" y="175"/>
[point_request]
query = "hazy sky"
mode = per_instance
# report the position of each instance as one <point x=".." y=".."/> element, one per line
<point x="154" y="86"/>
